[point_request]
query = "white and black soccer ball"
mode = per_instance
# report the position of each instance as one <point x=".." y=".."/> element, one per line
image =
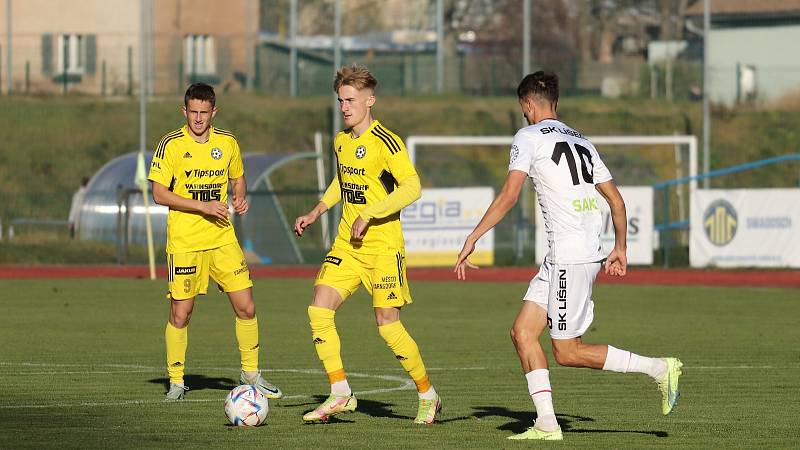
<point x="216" y="153"/>
<point x="246" y="406"/>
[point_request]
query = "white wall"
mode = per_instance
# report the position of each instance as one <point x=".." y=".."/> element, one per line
<point x="773" y="50"/>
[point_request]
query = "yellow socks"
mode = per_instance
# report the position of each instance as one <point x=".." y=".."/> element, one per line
<point x="177" y="340"/>
<point x="328" y="346"/>
<point x="326" y="342"/>
<point x="407" y="352"/>
<point x="247" y="336"/>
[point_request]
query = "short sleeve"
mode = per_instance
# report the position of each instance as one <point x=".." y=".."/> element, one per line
<point x="522" y="152"/>
<point x="600" y="173"/>
<point x="161" y="168"/>
<point x="236" y="167"/>
<point x="396" y="157"/>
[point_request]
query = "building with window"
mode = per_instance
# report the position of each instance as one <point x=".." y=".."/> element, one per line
<point x="93" y="46"/>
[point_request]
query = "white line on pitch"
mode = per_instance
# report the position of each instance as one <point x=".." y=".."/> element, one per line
<point x="31" y="364"/>
<point x="138" y="368"/>
<point x="405" y="384"/>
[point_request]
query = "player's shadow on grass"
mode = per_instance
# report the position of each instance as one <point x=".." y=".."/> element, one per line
<point x="200" y="382"/>
<point x="524" y="419"/>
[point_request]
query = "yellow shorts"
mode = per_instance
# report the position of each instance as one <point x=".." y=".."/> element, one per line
<point x="188" y="272"/>
<point x="384" y="276"/>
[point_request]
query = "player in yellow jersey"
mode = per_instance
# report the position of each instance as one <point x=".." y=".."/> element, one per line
<point x="375" y="180"/>
<point x="190" y="171"/>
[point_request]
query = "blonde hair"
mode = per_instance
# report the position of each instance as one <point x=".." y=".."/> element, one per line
<point x="356" y="76"/>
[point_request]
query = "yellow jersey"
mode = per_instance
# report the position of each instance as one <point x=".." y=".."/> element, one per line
<point x="200" y="172"/>
<point x="368" y="169"/>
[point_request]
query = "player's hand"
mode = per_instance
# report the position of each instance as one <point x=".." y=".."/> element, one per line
<point x="302" y="222"/>
<point x="215" y="208"/>
<point x="617" y="263"/>
<point x="462" y="263"/>
<point x="240" y="205"/>
<point x="358" y="229"/>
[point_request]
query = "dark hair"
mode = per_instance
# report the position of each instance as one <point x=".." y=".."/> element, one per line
<point x="541" y="85"/>
<point x="200" y="91"/>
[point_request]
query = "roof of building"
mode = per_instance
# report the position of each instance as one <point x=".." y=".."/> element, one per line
<point x="749" y="8"/>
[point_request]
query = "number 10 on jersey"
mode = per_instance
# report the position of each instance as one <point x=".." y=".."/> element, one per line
<point x="584" y="155"/>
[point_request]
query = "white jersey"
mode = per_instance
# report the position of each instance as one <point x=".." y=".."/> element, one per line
<point x="564" y="167"/>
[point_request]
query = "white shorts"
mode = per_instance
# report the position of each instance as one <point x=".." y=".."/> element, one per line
<point x="565" y="292"/>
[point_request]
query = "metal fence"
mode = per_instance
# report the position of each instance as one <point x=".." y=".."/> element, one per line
<point x="69" y="83"/>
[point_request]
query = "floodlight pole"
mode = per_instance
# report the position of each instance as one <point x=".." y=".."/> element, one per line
<point x="336" y="117"/>
<point x="9" y="59"/>
<point x="440" y="46"/>
<point x="526" y="37"/>
<point x="143" y="130"/>
<point x="293" y="48"/>
<point x="526" y="68"/>
<point x="706" y="99"/>
<point x="337" y="62"/>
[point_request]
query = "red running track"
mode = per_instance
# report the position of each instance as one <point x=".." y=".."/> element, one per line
<point x="640" y="276"/>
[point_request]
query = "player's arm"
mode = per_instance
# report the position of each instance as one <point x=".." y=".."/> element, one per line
<point x="239" y="189"/>
<point x="407" y="192"/>
<point x="163" y="196"/>
<point x="617" y="261"/>
<point x="501" y="205"/>
<point x="331" y="197"/>
<point x="237" y="180"/>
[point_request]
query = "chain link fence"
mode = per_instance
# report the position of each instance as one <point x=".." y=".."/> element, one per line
<point x="69" y="86"/>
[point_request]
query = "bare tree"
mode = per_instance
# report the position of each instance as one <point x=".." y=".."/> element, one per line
<point x="671" y="16"/>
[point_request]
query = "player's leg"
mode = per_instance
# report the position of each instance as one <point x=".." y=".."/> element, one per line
<point x="187" y="278"/>
<point x="176" y="338"/>
<point x="322" y="314"/>
<point x="229" y="269"/>
<point x="389" y="287"/>
<point x="336" y="281"/>
<point x="573" y="311"/>
<point x="248" y="339"/>
<point x="664" y="371"/>
<point x="407" y="352"/>
<point x="525" y="332"/>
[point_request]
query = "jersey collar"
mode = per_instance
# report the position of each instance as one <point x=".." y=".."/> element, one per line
<point x="369" y="129"/>
<point x="185" y="130"/>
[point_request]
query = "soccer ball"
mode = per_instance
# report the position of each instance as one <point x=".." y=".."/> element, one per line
<point x="246" y="406"/>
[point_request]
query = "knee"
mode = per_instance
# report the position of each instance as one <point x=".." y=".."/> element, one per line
<point x="521" y="335"/>
<point x="327" y="297"/>
<point x="391" y="332"/>
<point x="246" y="312"/>
<point x="566" y="356"/>
<point x="386" y="316"/>
<point x="320" y="318"/>
<point x="179" y="319"/>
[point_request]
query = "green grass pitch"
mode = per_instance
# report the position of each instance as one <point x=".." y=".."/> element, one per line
<point x="81" y="366"/>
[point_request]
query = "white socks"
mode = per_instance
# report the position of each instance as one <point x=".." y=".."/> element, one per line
<point x="624" y="361"/>
<point x="430" y="394"/>
<point x="539" y="388"/>
<point x="341" y="388"/>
